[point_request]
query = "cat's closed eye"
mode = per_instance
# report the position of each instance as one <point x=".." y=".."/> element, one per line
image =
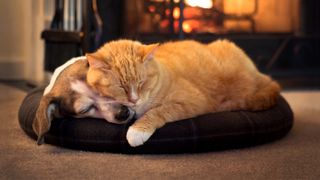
<point x="125" y="89"/>
<point x="141" y="84"/>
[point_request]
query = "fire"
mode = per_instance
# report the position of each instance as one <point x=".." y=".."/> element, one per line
<point x="189" y="26"/>
<point x="167" y="12"/>
<point x="239" y="7"/>
<point x="186" y="27"/>
<point x="176" y="13"/>
<point x="152" y="8"/>
<point x="206" y="4"/>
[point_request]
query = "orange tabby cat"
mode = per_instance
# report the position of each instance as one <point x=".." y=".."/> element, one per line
<point x="178" y="80"/>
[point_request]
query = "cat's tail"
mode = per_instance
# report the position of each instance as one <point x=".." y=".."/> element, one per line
<point x="265" y="95"/>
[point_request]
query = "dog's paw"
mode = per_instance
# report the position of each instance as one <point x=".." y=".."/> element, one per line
<point x="136" y="137"/>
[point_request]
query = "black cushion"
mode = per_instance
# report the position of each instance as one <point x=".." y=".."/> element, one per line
<point x="216" y="131"/>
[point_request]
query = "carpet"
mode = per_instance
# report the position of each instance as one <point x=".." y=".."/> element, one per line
<point x="296" y="156"/>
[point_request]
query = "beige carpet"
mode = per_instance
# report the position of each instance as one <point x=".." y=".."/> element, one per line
<point x="297" y="156"/>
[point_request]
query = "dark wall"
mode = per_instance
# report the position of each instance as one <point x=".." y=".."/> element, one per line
<point x="310" y="16"/>
<point x="111" y="12"/>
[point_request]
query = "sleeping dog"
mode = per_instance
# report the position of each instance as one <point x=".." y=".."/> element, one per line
<point x="69" y="95"/>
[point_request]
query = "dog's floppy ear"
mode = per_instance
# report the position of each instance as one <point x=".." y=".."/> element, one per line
<point x="47" y="110"/>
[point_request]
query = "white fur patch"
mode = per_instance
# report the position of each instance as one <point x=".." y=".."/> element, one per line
<point x="82" y="88"/>
<point x="137" y="137"/>
<point x="58" y="71"/>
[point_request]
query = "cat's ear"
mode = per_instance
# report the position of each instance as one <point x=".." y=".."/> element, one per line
<point x="148" y="52"/>
<point x="96" y="62"/>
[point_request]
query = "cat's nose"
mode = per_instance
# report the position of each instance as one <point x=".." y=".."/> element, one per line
<point x="133" y="99"/>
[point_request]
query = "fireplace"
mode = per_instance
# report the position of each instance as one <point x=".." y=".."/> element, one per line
<point x="282" y="37"/>
<point x="189" y="18"/>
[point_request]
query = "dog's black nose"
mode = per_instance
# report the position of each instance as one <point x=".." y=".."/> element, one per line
<point x="123" y="113"/>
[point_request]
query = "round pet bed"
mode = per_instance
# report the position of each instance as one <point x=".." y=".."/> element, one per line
<point x="210" y="132"/>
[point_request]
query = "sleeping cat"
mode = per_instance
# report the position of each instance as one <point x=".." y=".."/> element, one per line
<point x="178" y="80"/>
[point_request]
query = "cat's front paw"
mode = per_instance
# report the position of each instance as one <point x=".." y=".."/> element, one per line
<point x="137" y="137"/>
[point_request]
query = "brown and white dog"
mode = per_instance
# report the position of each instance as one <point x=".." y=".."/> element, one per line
<point x="69" y="95"/>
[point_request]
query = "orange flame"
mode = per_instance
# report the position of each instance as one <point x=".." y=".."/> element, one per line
<point x="206" y="4"/>
<point x="186" y="27"/>
<point x="176" y="13"/>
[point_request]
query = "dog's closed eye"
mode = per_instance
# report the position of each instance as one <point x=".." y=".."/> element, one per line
<point x="83" y="105"/>
<point x="86" y="109"/>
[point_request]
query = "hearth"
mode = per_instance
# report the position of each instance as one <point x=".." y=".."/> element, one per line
<point x="282" y="37"/>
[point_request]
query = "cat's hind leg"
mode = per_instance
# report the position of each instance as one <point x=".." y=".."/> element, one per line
<point x="265" y="95"/>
